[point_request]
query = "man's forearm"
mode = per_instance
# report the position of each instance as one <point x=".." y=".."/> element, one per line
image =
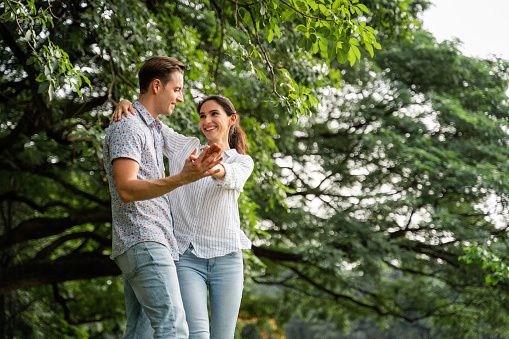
<point x="130" y="188"/>
<point x="137" y="190"/>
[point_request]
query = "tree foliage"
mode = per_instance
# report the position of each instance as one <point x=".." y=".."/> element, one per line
<point x="360" y="209"/>
<point x="390" y="180"/>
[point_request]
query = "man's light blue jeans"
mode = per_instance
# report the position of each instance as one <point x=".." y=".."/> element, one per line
<point x="151" y="287"/>
<point x="225" y="279"/>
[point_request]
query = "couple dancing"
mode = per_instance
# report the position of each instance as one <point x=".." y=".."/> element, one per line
<point x="177" y="237"/>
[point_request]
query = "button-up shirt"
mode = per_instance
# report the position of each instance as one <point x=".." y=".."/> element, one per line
<point x="206" y="212"/>
<point x="138" y="138"/>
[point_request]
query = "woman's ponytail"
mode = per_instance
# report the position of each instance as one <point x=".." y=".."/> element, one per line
<point x="237" y="138"/>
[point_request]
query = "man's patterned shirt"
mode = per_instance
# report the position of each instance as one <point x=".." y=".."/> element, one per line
<point x="138" y="138"/>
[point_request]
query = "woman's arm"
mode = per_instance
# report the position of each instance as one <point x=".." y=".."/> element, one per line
<point x="219" y="175"/>
<point x="125" y="107"/>
<point x="176" y="144"/>
<point x="236" y="173"/>
<point x="173" y="141"/>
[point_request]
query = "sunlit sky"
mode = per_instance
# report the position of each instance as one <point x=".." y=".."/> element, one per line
<point x="482" y="25"/>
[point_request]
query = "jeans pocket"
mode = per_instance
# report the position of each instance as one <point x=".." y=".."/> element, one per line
<point x="127" y="262"/>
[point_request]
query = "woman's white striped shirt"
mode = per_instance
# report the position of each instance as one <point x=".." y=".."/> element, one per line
<point x="206" y="212"/>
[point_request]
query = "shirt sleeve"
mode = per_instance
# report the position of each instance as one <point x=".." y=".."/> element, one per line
<point x="126" y="140"/>
<point x="237" y="172"/>
<point x="175" y="143"/>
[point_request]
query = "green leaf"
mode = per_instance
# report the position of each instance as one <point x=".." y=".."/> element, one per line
<point x="356" y="51"/>
<point x="354" y="42"/>
<point x="323" y="43"/>
<point x="285" y="72"/>
<point x="87" y="81"/>
<point x="43" y="87"/>
<point x="324" y="10"/>
<point x="301" y="28"/>
<point x="351" y="56"/>
<point x="331" y="53"/>
<point x="342" y="56"/>
<point x="363" y="8"/>
<point x="41" y="77"/>
<point x="316" y="47"/>
<point x="302" y="42"/>
<point x="270" y="35"/>
<point x="309" y="44"/>
<point x="77" y="89"/>
<point x="369" y="48"/>
<point x="277" y="31"/>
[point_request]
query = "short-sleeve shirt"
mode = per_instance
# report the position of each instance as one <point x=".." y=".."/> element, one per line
<point x="206" y="211"/>
<point x="138" y="137"/>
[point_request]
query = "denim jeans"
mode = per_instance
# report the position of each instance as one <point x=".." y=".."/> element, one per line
<point x="225" y="279"/>
<point x="151" y="287"/>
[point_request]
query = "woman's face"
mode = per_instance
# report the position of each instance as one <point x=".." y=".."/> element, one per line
<point x="215" y="123"/>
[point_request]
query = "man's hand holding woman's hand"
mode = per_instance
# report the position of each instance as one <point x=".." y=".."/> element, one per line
<point x="195" y="167"/>
<point x="198" y="167"/>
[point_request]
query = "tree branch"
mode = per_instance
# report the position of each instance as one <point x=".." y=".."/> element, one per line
<point x="46" y="252"/>
<point x="38" y="228"/>
<point x="276" y="255"/>
<point x="86" y="265"/>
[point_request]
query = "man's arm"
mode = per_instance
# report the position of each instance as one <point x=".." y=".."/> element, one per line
<point x="130" y="188"/>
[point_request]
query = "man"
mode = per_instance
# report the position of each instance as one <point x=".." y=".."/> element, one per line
<point x="144" y="246"/>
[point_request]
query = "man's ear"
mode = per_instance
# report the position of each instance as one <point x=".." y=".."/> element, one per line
<point x="156" y="85"/>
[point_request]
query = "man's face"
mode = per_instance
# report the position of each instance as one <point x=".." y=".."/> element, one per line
<point x="169" y="95"/>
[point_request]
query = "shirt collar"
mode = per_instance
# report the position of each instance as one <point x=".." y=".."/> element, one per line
<point x="145" y="115"/>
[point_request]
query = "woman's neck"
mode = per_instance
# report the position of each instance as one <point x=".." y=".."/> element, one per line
<point x="222" y="143"/>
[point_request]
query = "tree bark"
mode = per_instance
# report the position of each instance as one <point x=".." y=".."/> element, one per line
<point x="73" y="267"/>
<point x="38" y="228"/>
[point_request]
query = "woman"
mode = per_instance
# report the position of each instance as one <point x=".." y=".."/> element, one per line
<point x="206" y="220"/>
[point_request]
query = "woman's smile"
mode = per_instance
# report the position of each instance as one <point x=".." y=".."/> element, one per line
<point x="215" y="123"/>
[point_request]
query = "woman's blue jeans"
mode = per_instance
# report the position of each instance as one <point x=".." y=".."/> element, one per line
<point x="151" y="289"/>
<point x="224" y="278"/>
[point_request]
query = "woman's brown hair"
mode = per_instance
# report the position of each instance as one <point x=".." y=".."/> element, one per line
<point x="236" y="137"/>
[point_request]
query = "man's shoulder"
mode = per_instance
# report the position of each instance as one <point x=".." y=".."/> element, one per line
<point x="129" y="124"/>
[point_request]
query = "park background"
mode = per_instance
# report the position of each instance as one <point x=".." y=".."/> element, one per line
<point x="378" y="206"/>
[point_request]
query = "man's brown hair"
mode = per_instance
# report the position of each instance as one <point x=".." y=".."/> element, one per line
<point x="158" y="67"/>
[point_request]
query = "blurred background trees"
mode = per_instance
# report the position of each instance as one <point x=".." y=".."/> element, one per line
<point x="373" y="174"/>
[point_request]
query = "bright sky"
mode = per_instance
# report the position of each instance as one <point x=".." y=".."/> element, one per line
<point x="482" y="25"/>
